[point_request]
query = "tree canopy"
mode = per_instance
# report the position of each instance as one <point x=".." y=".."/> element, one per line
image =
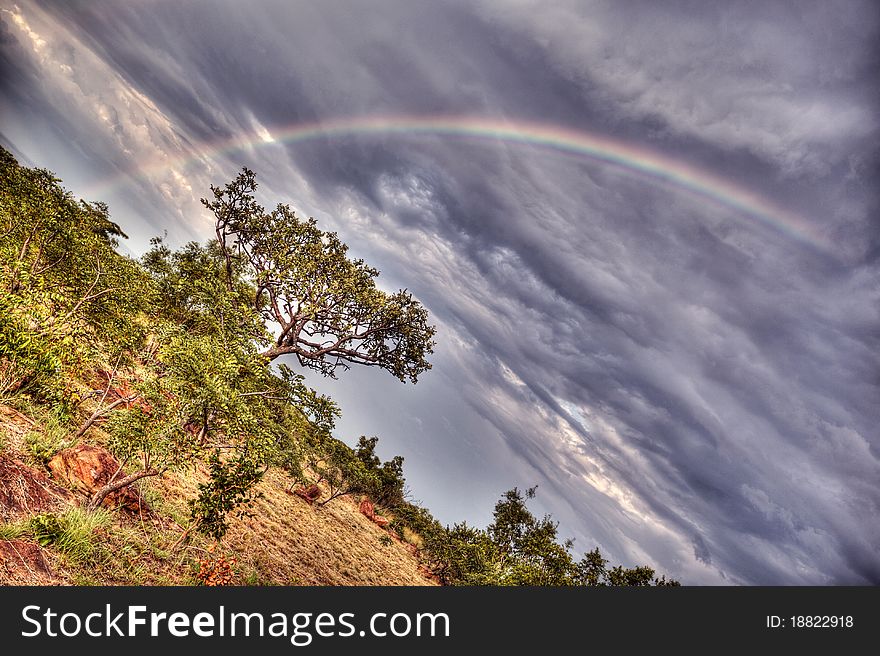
<point x="327" y="308"/>
<point x="516" y="549"/>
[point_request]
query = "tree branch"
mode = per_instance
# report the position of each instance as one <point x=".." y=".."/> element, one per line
<point x="110" y="488"/>
<point x="100" y="412"/>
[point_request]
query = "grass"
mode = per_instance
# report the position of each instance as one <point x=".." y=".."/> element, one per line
<point x="294" y="543"/>
<point x="73" y="533"/>
<point x="13" y="530"/>
<point x="413" y="538"/>
<point x="43" y="444"/>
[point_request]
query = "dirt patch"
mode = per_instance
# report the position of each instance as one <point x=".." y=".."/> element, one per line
<point x="25" y="491"/>
<point x="292" y="542"/>
<point x="24" y="563"/>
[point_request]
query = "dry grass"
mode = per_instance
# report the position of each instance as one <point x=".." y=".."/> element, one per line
<point x="286" y="541"/>
<point x="282" y="541"/>
<point x="14" y="426"/>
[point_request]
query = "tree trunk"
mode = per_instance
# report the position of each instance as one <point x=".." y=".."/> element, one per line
<point x="101" y="494"/>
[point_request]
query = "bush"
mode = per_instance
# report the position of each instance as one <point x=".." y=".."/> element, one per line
<point x="230" y="487"/>
<point x="28" y="363"/>
<point x="386" y="483"/>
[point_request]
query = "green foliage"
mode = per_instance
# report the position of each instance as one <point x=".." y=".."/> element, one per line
<point x="387" y="482"/>
<point x="529" y="553"/>
<point x="191" y="292"/>
<point x="211" y="388"/>
<point x="47" y="528"/>
<point x="327" y="306"/>
<point x="462" y="555"/>
<point x="65" y="293"/>
<point x="344" y="470"/>
<point x="26" y="361"/>
<point x="332" y="462"/>
<point x="230" y="487"/>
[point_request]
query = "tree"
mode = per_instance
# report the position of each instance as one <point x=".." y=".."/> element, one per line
<point x="388" y="488"/>
<point x="517" y="548"/>
<point x="332" y="462"/>
<point x="528" y="550"/>
<point x="329" y="312"/>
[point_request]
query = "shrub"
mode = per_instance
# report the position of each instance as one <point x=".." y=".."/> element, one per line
<point x="229" y="488"/>
<point x="386" y="484"/>
<point x="28" y="362"/>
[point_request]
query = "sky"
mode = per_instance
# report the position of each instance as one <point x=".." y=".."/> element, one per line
<point x="648" y="235"/>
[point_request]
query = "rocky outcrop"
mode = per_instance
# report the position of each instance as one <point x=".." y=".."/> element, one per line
<point x="311" y="493"/>
<point x="369" y="510"/>
<point x="25" y="491"/>
<point x="87" y="469"/>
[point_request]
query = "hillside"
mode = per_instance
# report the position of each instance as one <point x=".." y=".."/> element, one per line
<point x="285" y="541"/>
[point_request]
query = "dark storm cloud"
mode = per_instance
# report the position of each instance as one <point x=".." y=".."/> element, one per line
<point x="689" y="388"/>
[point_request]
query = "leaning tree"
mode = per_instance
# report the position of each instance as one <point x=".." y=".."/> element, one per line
<point x="326" y="307"/>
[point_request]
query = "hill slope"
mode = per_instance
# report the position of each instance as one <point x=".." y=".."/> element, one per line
<point x="283" y="540"/>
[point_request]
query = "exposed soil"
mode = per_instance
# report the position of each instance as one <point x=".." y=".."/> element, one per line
<point x="25" y="491"/>
<point x="24" y="563"/>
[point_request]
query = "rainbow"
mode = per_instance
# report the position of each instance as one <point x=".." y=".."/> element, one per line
<point x="627" y="157"/>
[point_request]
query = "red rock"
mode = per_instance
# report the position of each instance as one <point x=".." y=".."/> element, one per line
<point x="23" y="563"/>
<point x="381" y="522"/>
<point x="367" y="509"/>
<point x="310" y="493"/>
<point x="88" y="468"/>
<point x="25" y="491"/>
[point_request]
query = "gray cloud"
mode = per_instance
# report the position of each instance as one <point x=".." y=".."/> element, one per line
<point x="689" y="388"/>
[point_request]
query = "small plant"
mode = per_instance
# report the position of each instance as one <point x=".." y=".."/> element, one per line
<point x="386" y="541"/>
<point x="47" y="528"/>
<point x="229" y="489"/>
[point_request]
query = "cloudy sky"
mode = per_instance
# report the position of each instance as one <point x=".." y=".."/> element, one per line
<point x="647" y="232"/>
